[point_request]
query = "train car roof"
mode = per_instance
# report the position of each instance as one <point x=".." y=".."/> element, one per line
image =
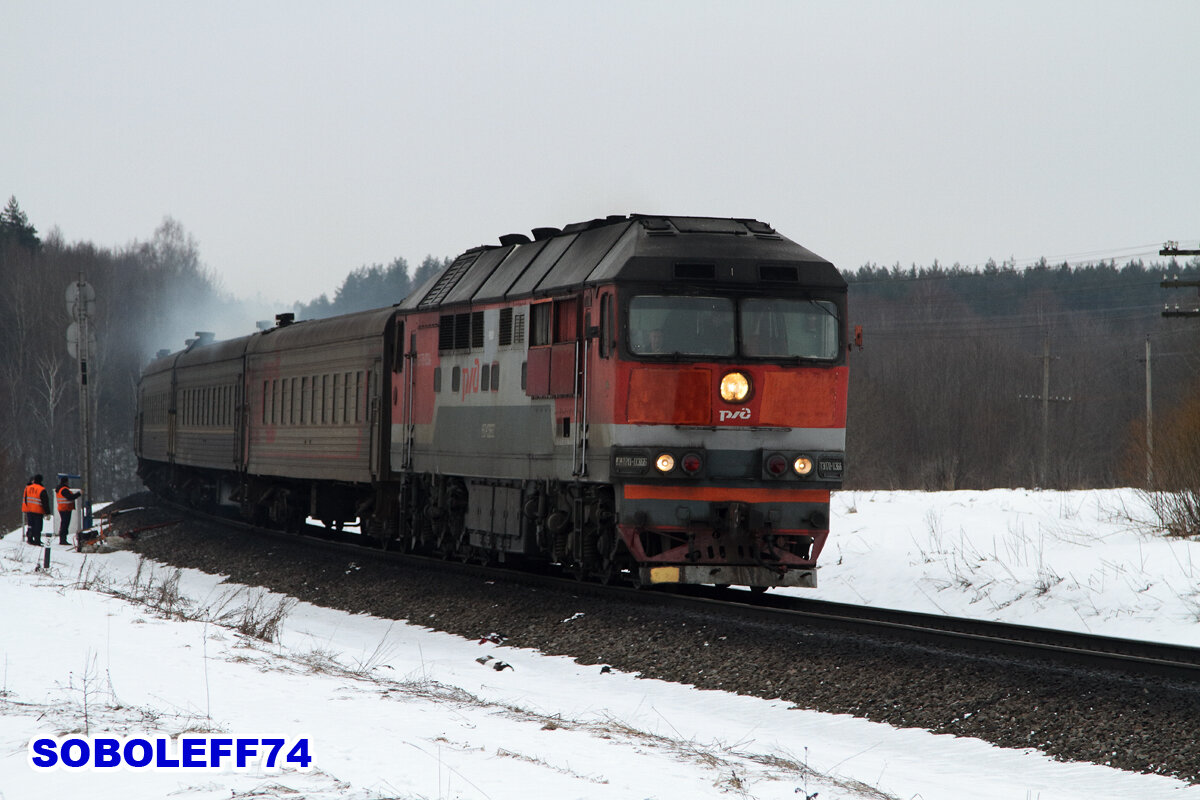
<point x="638" y="248"/>
<point x="281" y="337"/>
<point x="345" y="327"/>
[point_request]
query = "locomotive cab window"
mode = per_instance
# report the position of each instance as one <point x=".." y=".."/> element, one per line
<point x="785" y="328"/>
<point x="661" y="325"/>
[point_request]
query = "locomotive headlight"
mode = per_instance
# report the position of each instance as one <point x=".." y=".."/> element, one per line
<point x="735" y="387"/>
<point x="665" y="462"/>
<point x="803" y="465"/>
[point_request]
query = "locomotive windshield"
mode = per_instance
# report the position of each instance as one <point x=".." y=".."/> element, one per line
<point x="661" y="325"/>
<point x="688" y="326"/>
<point x="778" y="328"/>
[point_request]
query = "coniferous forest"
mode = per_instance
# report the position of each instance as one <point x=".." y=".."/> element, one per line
<point x="946" y="392"/>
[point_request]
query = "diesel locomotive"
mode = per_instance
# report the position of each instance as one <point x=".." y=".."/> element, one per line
<point x="659" y="400"/>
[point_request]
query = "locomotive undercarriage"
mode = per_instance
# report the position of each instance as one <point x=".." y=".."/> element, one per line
<point x="572" y="524"/>
<point x="576" y="525"/>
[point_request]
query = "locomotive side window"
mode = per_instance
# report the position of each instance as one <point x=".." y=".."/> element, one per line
<point x="605" y="327"/>
<point x="785" y="328"/>
<point x="539" y="324"/>
<point x="359" y="396"/>
<point x="566" y="320"/>
<point x="687" y="326"/>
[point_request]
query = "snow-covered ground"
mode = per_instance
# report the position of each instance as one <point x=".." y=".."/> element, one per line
<point x="393" y="710"/>
<point x="1085" y="561"/>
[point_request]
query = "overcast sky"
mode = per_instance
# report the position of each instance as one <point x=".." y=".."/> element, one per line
<point x="298" y="140"/>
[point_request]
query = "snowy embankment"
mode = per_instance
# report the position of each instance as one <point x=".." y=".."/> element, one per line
<point x="393" y="710"/>
<point x="1088" y="561"/>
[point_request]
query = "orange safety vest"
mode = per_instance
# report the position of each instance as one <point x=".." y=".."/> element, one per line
<point x="32" y="502"/>
<point x="65" y="503"/>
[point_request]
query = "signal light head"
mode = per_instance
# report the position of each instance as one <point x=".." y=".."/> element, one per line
<point x="665" y="462"/>
<point x="803" y="465"/>
<point x="691" y="463"/>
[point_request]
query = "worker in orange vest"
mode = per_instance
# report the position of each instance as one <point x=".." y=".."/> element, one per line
<point x="66" y="506"/>
<point x="36" y="505"/>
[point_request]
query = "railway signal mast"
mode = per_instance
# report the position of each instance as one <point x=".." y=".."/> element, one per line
<point x="81" y="341"/>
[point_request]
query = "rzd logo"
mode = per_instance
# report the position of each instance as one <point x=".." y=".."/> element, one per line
<point x="741" y="413"/>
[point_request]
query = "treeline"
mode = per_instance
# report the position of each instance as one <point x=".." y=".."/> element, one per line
<point x="147" y="294"/>
<point x="371" y="287"/>
<point x="947" y="390"/>
<point x="150" y="295"/>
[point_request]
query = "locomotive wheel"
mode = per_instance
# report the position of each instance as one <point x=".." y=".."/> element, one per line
<point x="609" y="571"/>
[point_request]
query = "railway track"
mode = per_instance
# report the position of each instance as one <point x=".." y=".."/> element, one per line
<point x="1063" y="649"/>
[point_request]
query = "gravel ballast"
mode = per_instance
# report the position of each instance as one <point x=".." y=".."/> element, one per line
<point x="1131" y="724"/>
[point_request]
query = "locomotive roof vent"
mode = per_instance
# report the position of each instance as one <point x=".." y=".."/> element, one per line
<point x="761" y="230"/>
<point x="657" y="226"/>
<point x="510" y="239"/>
<point x="205" y="337"/>
<point x="779" y="273"/>
<point x="284" y="319"/>
<point x="695" y="272"/>
<point x="162" y="353"/>
<point x="544" y="233"/>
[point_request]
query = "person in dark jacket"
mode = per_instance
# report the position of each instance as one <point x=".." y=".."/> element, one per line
<point x="36" y="505"/>
<point x="66" y="506"/>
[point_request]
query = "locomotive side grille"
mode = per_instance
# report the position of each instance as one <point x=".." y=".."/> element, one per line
<point x="519" y="329"/>
<point x="477" y="329"/>
<point x="446" y="332"/>
<point x="506" y="326"/>
<point x="462" y="331"/>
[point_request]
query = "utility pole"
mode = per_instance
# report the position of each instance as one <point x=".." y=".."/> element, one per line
<point x="1046" y="399"/>
<point x="1149" y="423"/>
<point x="1173" y="249"/>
